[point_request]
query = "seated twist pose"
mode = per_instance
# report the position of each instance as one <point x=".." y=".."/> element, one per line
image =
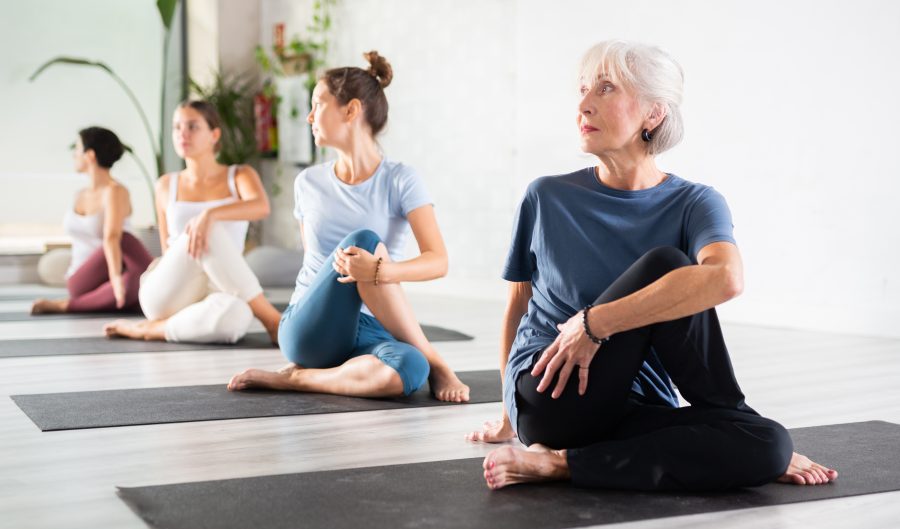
<point x="107" y="261"/>
<point x="614" y="271"/>
<point x="202" y="290"/>
<point x="349" y="329"/>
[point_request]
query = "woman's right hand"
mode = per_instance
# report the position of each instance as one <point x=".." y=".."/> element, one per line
<point x="198" y="231"/>
<point x="493" y="432"/>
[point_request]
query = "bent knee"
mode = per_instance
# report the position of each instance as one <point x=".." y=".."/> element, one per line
<point x="768" y="450"/>
<point x="409" y="363"/>
<point x="666" y="257"/>
<point x="219" y="318"/>
<point x="365" y="239"/>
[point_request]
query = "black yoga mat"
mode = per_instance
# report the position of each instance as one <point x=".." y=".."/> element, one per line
<point x="25" y="316"/>
<point x="129" y="407"/>
<point x="102" y="345"/>
<point x="453" y="494"/>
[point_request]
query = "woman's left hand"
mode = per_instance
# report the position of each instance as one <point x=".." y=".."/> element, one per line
<point x="572" y="350"/>
<point x="355" y="264"/>
<point x="198" y="232"/>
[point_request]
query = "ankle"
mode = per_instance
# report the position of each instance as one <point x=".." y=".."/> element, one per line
<point x="557" y="465"/>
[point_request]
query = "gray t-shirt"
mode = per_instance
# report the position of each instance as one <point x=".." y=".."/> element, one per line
<point x="330" y="210"/>
<point x="574" y="236"/>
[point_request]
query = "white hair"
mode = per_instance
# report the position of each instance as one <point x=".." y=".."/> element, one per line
<point x="652" y="73"/>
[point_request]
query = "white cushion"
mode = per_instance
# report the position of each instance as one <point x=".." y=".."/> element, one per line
<point x="275" y="267"/>
<point x="52" y="266"/>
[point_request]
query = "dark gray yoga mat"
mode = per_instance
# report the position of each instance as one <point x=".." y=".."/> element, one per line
<point x="103" y="345"/>
<point x="25" y="316"/>
<point x="453" y="494"/>
<point x="130" y="407"/>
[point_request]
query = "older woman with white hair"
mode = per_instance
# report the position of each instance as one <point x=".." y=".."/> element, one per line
<point x="588" y="379"/>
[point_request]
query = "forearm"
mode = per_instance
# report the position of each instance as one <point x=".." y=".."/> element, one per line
<point x="112" y="250"/>
<point x="682" y="292"/>
<point x="253" y="209"/>
<point x="427" y="266"/>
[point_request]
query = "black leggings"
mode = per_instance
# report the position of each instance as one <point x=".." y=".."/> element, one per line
<point x="615" y="441"/>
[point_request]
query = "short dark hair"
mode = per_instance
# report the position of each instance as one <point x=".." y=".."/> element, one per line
<point x="105" y="144"/>
<point x="367" y="85"/>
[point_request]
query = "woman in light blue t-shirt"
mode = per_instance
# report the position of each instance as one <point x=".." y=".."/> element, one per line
<point x="349" y="329"/>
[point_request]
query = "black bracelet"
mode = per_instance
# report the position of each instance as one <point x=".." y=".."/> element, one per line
<point x="587" y="328"/>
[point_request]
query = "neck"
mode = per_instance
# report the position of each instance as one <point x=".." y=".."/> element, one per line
<point x="100" y="177"/>
<point x="629" y="173"/>
<point x="358" y="161"/>
<point x="203" y="166"/>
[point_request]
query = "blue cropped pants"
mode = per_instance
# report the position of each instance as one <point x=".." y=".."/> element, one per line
<point x="325" y="328"/>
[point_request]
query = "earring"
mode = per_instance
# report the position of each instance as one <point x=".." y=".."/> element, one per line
<point x="646" y="135"/>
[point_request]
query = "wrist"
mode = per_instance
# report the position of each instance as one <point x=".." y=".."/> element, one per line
<point x="594" y="328"/>
<point x="386" y="272"/>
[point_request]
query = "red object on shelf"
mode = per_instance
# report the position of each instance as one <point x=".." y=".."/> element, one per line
<point x="278" y="38"/>
<point x="266" y="124"/>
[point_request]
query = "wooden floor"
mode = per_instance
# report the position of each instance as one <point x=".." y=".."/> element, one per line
<point x="68" y="478"/>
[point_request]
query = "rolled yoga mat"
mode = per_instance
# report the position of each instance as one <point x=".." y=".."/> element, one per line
<point x="102" y="345"/>
<point x="453" y="493"/>
<point x="130" y="407"/>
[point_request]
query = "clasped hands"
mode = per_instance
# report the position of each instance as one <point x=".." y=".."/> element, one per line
<point x="355" y="265"/>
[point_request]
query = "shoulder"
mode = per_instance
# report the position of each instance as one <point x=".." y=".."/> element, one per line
<point x="245" y="172"/>
<point x="400" y="173"/>
<point x="696" y="192"/>
<point x="313" y="172"/>
<point x="162" y="183"/>
<point x="115" y="192"/>
<point x="549" y="185"/>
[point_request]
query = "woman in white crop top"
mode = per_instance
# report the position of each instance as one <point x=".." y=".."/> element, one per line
<point x="202" y="289"/>
<point x="107" y="261"/>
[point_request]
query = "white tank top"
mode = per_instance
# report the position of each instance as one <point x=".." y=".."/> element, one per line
<point x="179" y="213"/>
<point x="86" y="232"/>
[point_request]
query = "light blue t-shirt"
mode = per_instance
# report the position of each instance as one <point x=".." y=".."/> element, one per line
<point x="331" y="209"/>
<point x="574" y="236"/>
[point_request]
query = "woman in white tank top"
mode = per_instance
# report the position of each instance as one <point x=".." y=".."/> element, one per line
<point x="107" y="261"/>
<point x="202" y="290"/>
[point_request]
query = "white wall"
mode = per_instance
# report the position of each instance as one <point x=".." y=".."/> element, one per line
<point x="41" y="119"/>
<point x="790" y="111"/>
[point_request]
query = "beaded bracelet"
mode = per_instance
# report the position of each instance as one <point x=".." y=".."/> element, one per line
<point x="587" y="329"/>
<point x="377" y="267"/>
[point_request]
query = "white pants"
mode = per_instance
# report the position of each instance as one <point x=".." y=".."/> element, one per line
<point x="203" y="300"/>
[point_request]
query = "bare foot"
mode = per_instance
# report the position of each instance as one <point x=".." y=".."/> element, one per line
<point x="493" y="432"/>
<point x="804" y="471"/>
<point x="49" y="306"/>
<point x="508" y="466"/>
<point x="137" y="330"/>
<point x="447" y="387"/>
<point x="260" y="379"/>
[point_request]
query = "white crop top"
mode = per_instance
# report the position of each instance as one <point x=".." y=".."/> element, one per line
<point x="86" y="232"/>
<point x="179" y="213"/>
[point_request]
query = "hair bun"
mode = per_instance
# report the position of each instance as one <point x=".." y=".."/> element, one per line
<point x="379" y="68"/>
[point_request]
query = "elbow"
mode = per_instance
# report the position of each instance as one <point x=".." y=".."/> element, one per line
<point x="732" y="284"/>
<point x="265" y="209"/>
<point x="443" y="268"/>
<point x="112" y="238"/>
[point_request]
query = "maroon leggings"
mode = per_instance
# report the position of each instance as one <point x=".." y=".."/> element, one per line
<point x="90" y="289"/>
